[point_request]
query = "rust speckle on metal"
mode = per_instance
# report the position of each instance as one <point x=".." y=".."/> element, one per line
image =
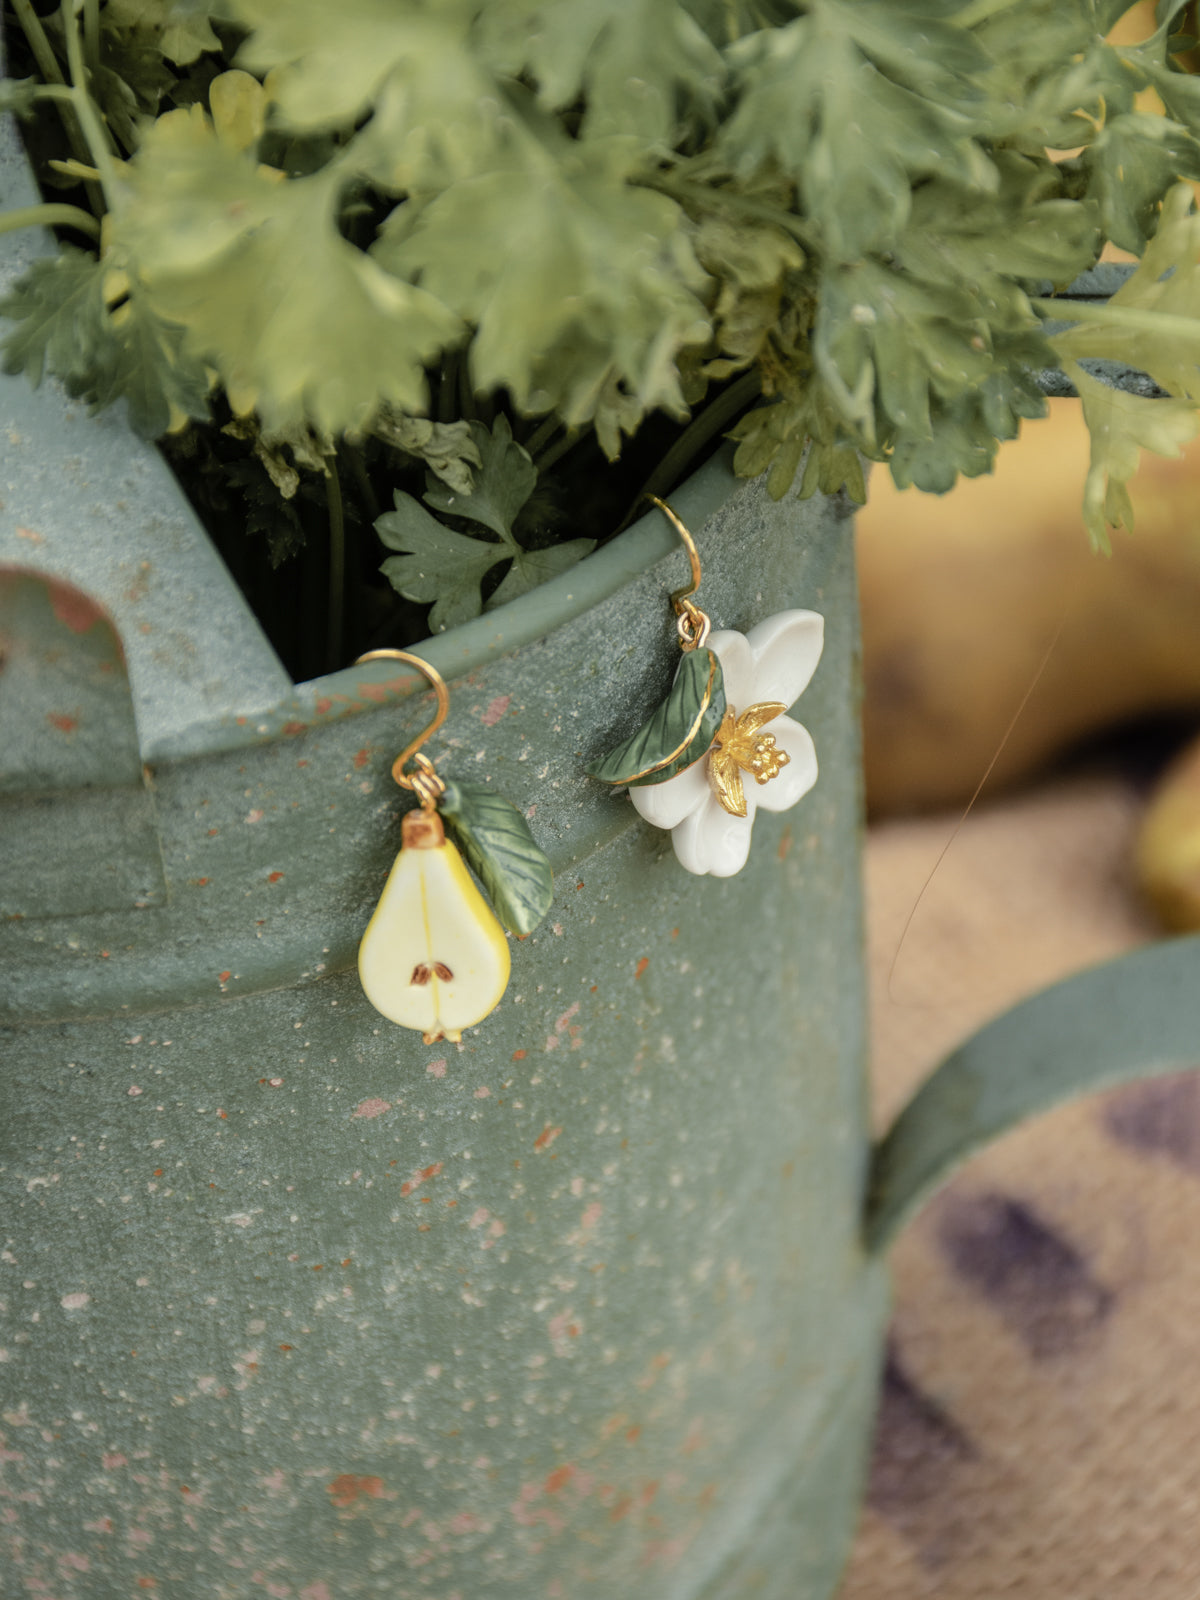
<point x="371" y="1108"/>
<point x="76" y="610"/>
<point x="419" y="1178"/>
<point x="350" y="1486"/>
<point x="641" y="966"/>
<point x="63" y="721"/>
<point x="361" y="757"/>
<point x="379" y="692"/>
<point x="546" y="1138"/>
<point x="290" y="729"/>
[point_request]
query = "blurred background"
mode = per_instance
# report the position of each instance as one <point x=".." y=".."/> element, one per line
<point x="1040" y="1430"/>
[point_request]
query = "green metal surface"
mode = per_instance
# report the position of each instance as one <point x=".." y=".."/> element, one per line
<point x="574" y="1309"/>
<point x="69" y="760"/>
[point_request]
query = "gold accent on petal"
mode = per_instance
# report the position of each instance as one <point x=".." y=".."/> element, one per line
<point x="740" y="747"/>
<point x="758" y="716"/>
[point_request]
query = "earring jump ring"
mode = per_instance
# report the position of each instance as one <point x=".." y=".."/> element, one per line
<point x="424" y="782"/>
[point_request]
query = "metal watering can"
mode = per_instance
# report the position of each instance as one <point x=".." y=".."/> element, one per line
<point x="293" y="1305"/>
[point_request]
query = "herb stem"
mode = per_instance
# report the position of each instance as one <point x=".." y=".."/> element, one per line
<point x="569" y="440"/>
<point x="448" y="386"/>
<point x="50" y="216"/>
<point x="698" y="434"/>
<point x="43" y="53"/>
<point x="55" y="91"/>
<point x="337" y="566"/>
<point x="362" y="480"/>
<point x="541" y="435"/>
<point x="466" y="393"/>
<point x="1126" y="319"/>
<point x="55" y="88"/>
<point x="91" y="36"/>
<point x="84" y="109"/>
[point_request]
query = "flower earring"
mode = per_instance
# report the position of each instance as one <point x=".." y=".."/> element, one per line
<point x="721" y="745"/>
<point x="434" y="956"/>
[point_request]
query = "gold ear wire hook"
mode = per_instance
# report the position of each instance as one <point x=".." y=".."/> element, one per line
<point x="693" y="625"/>
<point x="424" y="782"/>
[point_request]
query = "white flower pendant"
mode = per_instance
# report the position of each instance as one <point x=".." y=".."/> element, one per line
<point x="759" y="757"/>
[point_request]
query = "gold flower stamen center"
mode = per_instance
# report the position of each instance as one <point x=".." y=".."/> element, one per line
<point x="741" y="746"/>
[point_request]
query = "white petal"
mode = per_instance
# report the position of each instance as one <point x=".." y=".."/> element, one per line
<point x="794" y="780"/>
<point x="733" y="651"/>
<point x="665" y="805"/>
<point x="712" y="841"/>
<point x="786" y="650"/>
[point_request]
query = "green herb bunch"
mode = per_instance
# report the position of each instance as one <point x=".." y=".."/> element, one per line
<point x="414" y="272"/>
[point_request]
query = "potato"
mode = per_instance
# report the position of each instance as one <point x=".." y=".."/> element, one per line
<point x="1168" y="850"/>
<point x="963" y="595"/>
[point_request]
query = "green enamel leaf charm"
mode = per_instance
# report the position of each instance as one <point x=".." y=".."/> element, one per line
<point x="678" y="733"/>
<point x="501" y="852"/>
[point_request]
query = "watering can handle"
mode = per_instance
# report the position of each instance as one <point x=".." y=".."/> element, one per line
<point x="1135" y="1017"/>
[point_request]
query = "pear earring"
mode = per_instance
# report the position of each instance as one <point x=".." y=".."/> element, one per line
<point x="721" y="744"/>
<point x="434" y="956"/>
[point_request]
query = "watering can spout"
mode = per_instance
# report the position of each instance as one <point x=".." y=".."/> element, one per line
<point x="1135" y="1017"/>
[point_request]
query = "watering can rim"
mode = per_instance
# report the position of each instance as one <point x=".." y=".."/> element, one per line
<point x="471" y="645"/>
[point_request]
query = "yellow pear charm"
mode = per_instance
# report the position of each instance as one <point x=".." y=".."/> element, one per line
<point x="433" y="957"/>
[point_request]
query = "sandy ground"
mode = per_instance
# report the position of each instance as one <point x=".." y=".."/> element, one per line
<point x="1040" y="1428"/>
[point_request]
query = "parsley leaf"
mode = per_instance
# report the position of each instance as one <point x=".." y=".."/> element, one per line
<point x="18" y="97"/>
<point x="633" y="63"/>
<point x="446" y="448"/>
<point x="95" y="331"/>
<point x="182" y="28"/>
<point x="505" y="480"/>
<point x="1121" y="425"/>
<point x="58" y="306"/>
<point x="1136" y="156"/>
<point x="437" y="112"/>
<point x="146" y="364"/>
<point x="1151" y="323"/>
<point x="855" y="99"/>
<point x="448" y="568"/>
<point x="437" y="565"/>
<point x="532" y="567"/>
<point x="299" y="323"/>
<point x="596" y="279"/>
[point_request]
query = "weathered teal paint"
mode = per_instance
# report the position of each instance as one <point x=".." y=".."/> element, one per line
<point x="415" y="1320"/>
<point x="292" y="1305"/>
